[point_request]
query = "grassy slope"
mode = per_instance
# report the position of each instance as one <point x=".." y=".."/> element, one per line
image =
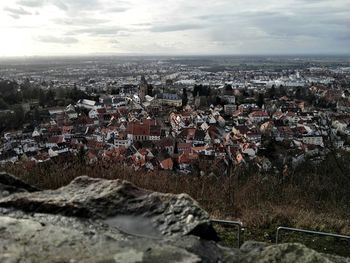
<point x="262" y="203"/>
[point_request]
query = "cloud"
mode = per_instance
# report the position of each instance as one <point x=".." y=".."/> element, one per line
<point x="79" y="21"/>
<point x="16" y="12"/>
<point x="65" y="5"/>
<point x="175" y="27"/>
<point x="222" y="26"/>
<point x="57" y="40"/>
<point x="73" y="7"/>
<point x="31" y="3"/>
<point x="117" y="9"/>
<point x="40" y="3"/>
<point x="307" y="25"/>
<point x="61" y="5"/>
<point x="98" y="31"/>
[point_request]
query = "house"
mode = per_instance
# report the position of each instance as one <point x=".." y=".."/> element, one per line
<point x="119" y="102"/>
<point x="67" y="130"/>
<point x="139" y="158"/>
<point x="88" y="104"/>
<point x="184" y="147"/>
<point x="199" y="137"/>
<point x="97" y="113"/>
<point x="240" y="130"/>
<point x="121" y="140"/>
<point x="145" y="130"/>
<point x="264" y="164"/>
<point x="187" y="135"/>
<point x="249" y="149"/>
<point x="253" y="136"/>
<point x="36" y="133"/>
<point x="277" y="115"/>
<point x="41" y="157"/>
<point x="221" y="121"/>
<point x="204" y="150"/>
<point x="229" y="109"/>
<point x="230" y="99"/>
<point x="185" y="159"/>
<point x="258" y="116"/>
<point x="167" y="144"/>
<point x="266" y="127"/>
<point x="204" y="126"/>
<point x="313" y="140"/>
<point x="106" y="101"/>
<point x="92" y="157"/>
<point x="70" y="112"/>
<point x="56" y="111"/>
<point x="169" y="99"/>
<point x="54" y="141"/>
<point x="292" y="117"/>
<point x="283" y="133"/>
<point x="167" y="164"/>
<point x="248" y="107"/>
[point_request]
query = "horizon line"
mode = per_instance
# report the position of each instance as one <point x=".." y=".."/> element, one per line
<point x="171" y="54"/>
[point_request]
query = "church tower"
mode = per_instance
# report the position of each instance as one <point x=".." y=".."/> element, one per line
<point x="143" y="89"/>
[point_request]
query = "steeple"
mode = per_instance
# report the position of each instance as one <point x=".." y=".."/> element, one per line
<point x="143" y="88"/>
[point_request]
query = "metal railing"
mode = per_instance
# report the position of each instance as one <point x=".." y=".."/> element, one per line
<point x="237" y="224"/>
<point x="281" y="228"/>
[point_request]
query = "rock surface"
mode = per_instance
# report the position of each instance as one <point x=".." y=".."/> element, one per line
<point x="95" y="220"/>
<point x="258" y="252"/>
<point x="113" y="200"/>
<point x="10" y="184"/>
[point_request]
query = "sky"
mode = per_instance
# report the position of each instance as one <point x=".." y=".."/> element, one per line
<point x="179" y="27"/>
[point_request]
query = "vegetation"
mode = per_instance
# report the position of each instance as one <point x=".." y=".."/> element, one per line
<point x="309" y="196"/>
<point x="14" y="97"/>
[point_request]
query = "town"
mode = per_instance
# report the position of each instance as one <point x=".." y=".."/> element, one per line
<point x="191" y="116"/>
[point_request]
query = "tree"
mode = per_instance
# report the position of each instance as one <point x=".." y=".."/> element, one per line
<point x="50" y="97"/>
<point x="228" y="89"/>
<point x="42" y="98"/>
<point x="184" y="97"/>
<point x="150" y="90"/>
<point x="115" y="91"/>
<point x="81" y="155"/>
<point x="3" y="104"/>
<point x="196" y="90"/>
<point x="36" y="115"/>
<point x="282" y="90"/>
<point x="18" y="116"/>
<point x="260" y="100"/>
<point x="9" y="92"/>
<point x="272" y="92"/>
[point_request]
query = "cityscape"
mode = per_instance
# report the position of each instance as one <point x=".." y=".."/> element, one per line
<point x="159" y="113"/>
<point x="175" y="131"/>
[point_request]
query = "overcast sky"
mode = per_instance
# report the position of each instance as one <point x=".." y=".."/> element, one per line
<point x="67" y="27"/>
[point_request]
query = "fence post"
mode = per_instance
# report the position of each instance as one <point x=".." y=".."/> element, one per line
<point x="304" y="231"/>
<point x="238" y="224"/>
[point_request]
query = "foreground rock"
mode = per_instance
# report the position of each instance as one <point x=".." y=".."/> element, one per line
<point x="53" y="238"/>
<point x="119" y="202"/>
<point x="259" y="252"/>
<point x="10" y="184"/>
<point x="95" y="220"/>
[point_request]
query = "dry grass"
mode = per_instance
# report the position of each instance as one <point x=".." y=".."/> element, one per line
<point x="260" y="202"/>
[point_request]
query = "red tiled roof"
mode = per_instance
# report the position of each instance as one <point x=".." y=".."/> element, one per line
<point x="56" y="139"/>
<point x="148" y="127"/>
<point x="259" y="114"/>
<point x="167" y="164"/>
<point x="101" y="111"/>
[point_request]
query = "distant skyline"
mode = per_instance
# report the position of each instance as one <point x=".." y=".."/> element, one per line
<point x="182" y="27"/>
